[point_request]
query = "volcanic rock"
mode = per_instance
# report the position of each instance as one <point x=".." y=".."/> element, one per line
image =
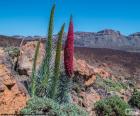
<point x="12" y="99"/>
<point x="25" y="60"/>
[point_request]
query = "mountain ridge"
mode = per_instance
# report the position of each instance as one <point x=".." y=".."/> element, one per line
<point x="106" y="38"/>
<point x="86" y="32"/>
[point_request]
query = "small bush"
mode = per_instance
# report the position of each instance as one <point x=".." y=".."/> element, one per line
<point x="111" y="106"/>
<point x="135" y="99"/>
<point x="12" y="51"/>
<point x="40" y="106"/>
<point x="109" y="84"/>
<point x="113" y="85"/>
<point x="73" y="110"/>
<point x="47" y="107"/>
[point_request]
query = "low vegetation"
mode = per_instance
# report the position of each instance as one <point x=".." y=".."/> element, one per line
<point x="109" y="84"/>
<point x="135" y="99"/>
<point x="12" y="51"/>
<point x="46" y="106"/>
<point x="111" y="106"/>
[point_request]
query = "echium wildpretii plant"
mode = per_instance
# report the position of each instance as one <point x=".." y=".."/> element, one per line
<point x="45" y="82"/>
<point x="49" y="89"/>
<point x="53" y="84"/>
<point x="66" y="79"/>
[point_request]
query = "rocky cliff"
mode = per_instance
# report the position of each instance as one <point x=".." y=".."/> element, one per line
<point x="108" y="39"/>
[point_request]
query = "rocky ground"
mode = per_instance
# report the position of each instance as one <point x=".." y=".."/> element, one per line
<point x="120" y="64"/>
<point x="98" y="73"/>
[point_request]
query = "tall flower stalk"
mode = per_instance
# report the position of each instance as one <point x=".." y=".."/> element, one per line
<point x="46" y="66"/>
<point x="55" y="78"/>
<point x="44" y="72"/>
<point x="69" y="50"/>
<point x="33" y="77"/>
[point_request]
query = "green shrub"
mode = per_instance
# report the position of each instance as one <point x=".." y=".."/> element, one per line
<point x="47" y="107"/>
<point x="13" y="51"/>
<point x="109" y="84"/>
<point x="40" y="106"/>
<point x="73" y="110"/>
<point x="111" y="106"/>
<point x="113" y="85"/>
<point x="135" y="99"/>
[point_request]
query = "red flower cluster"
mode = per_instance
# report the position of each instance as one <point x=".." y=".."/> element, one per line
<point x="69" y="50"/>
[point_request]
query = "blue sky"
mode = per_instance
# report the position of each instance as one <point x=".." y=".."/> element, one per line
<point x="30" y="17"/>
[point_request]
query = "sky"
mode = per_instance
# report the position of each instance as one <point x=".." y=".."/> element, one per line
<point x="30" y="17"/>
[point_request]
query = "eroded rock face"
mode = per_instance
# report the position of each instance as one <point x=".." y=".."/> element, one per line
<point x="111" y="32"/>
<point x="89" y="72"/>
<point x="13" y="95"/>
<point x="25" y="60"/>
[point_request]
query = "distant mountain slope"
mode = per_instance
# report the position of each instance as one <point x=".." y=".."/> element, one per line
<point x="103" y="39"/>
<point x="120" y="63"/>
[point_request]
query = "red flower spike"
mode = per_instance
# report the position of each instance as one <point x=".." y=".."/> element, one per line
<point x="69" y="50"/>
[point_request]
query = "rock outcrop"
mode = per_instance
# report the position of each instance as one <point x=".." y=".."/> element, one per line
<point x="89" y="72"/>
<point x="25" y="60"/>
<point x="13" y="95"/>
